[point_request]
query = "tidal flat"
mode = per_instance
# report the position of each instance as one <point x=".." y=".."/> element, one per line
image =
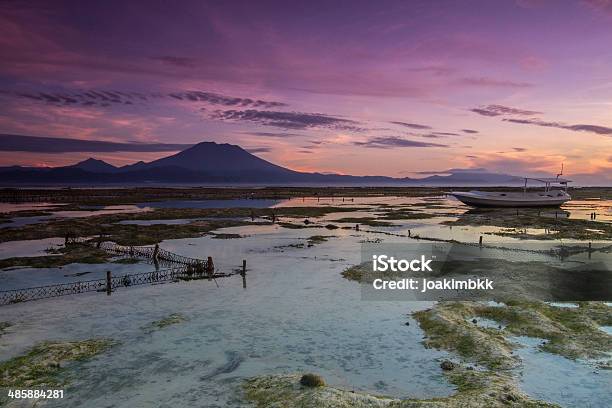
<point x="217" y="344"/>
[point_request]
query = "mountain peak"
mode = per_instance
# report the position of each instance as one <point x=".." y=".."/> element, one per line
<point x="94" y="165"/>
<point x="217" y="158"/>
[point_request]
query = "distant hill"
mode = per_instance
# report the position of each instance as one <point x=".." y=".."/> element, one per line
<point x="210" y="162"/>
<point x="94" y="166"/>
<point x="472" y="177"/>
<point x="214" y="158"/>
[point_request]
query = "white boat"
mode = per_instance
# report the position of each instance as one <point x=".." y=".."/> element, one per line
<point x="550" y="197"/>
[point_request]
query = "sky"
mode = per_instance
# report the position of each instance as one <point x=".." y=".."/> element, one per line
<point x="395" y="88"/>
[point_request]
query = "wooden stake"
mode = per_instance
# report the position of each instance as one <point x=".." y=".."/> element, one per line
<point x="243" y="273"/>
<point x="108" y="283"/>
<point x="210" y="266"/>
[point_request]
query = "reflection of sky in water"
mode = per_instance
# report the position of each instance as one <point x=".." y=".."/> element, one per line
<point x="17" y="222"/>
<point x="582" y="209"/>
<point x="35" y="247"/>
<point x="234" y="203"/>
<point x="10" y="207"/>
<point x="296" y="315"/>
<point x="561" y="380"/>
<point x="16" y="278"/>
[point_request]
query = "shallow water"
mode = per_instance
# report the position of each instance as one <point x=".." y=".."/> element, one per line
<point x="560" y="380"/>
<point x="183" y="221"/>
<point x="293" y="316"/>
<point x="16" y="222"/>
<point x="232" y="203"/>
<point x="17" y="278"/>
<point x="297" y="314"/>
<point x="12" y="207"/>
<point x="35" y="247"/>
<point x="105" y="210"/>
<point x="582" y="209"/>
<point x="156" y="222"/>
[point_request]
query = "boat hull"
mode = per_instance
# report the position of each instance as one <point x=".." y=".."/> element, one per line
<point x="477" y="200"/>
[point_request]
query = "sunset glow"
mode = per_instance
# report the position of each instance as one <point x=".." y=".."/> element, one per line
<point x="401" y="89"/>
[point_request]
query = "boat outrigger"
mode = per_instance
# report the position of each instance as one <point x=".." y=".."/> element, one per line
<point x="548" y="198"/>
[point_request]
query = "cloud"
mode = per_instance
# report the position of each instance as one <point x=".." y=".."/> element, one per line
<point x="499" y="110"/>
<point x="470" y="131"/>
<point x="520" y="164"/>
<point x="258" y="149"/>
<point x="287" y="120"/>
<point x="273" y="134"/>
<point x="113" y="97"/>
<point x="387" y="142"/>
<point x="411" y="125"/>
<point x="450" y="171"/>
<point x="600" y="130"/>
<point x="446" y="134"/>
<point x="534" y="63"/>
<point x="184" y="62"/>
<point x="217" y="99"/>
<point x="493" y="83"/>
<point x="600" y="6"/>
<point x="436" y="135"/>
<point x="532" y="4"/>
<point x="37" y="144"/>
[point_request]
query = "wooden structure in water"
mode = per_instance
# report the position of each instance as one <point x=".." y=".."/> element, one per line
<point x="178" y="268"/>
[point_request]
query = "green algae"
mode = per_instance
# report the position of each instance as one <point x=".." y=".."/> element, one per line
<point x="318" y="239"/>
<point x="570" y="332"/>
<point x="446" y="327"/>
<point x="225" y="236"/>
<point x="290" y="225"/>
<point x="354" y="272"/>
<point x="515" y="224"/>
<point x="475" y="389"/>
<point x="371" y="221"/>
<point x="404" y="214"/>
<point x="74" y="253"/>
<point x="108" y="226"/>
<point x="172" y="319"/>
<point x="44" y="364"/>
<point x="117" y="196"/>
<point x="3" y="327"/>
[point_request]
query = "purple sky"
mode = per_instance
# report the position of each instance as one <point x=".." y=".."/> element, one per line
<point x="388" y="88"/>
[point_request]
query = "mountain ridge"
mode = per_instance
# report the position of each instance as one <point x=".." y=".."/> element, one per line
<point x="210" y="162"/>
